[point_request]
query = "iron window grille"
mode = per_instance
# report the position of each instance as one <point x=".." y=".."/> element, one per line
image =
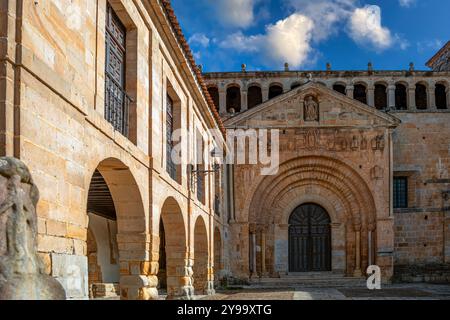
<point x="170" y="165"/>
<point x="117" y="101"/>
<point x="400" y="192"/>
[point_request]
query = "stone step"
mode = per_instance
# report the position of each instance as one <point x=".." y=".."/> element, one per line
<point x="312" y="275"/>
<point x="101" y="290"/>
<point x="304" y="281"/>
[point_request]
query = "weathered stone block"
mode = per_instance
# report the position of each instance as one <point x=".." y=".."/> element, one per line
<point x="72" y="272"/>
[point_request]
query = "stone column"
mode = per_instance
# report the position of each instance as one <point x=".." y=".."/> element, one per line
<point x="209" y="288"/>
<point x="138" y="275"/>
<point x="253" y="248"/>
<point x="371" y="96"/>
<point x="358" y="272"/>
<point x="412" y="98"/>
<point x="222" y="100"/>
<point x="263" y="253"/>
<point x="265" y="93"/>
<point x="385" y="247"/>
<point x="391" y="96"/>
<point x="281" y="249"/>
<point x="432" y="97"/>
<point x="349" y="91"/>
<point x="186" y="289"/>
<point x="244" y="100"/>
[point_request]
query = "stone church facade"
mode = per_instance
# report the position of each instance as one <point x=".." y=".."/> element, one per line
<point x="91" y="94"/>
<point x="372" y="158"/>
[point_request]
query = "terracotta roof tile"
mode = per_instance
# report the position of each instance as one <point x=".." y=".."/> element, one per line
<point x="170" y="13"/>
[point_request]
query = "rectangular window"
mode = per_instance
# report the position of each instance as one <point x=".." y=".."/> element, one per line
<point x="117" y="102"/>
<point x="200" y="168"/>
<point x="217" y="191"/>
<point x="171" y="167"/>
<point x="400" y="192"/>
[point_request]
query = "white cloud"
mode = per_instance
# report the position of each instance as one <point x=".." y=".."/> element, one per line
<point x="429" y="45"/>
<point x="366" y="28"/>
<point x="406" y="3"/>
<point x="326" y="15"/>
<point x="292" y="39"/>
<point x="199" y="39"/>
<point x="236" y="13"/>
<point x="288" y="40"/>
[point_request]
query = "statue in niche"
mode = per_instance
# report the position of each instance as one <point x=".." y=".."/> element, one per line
<point x="311" y="109"/>
<point x="22" y="273"/>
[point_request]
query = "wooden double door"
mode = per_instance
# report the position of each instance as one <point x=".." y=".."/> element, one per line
<point x="309" y="239"/>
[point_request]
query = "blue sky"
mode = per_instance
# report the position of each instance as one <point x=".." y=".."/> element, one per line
<point x="264" y="34"/>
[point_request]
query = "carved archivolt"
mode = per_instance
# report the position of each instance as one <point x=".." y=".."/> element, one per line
<point x="322" y="175"/>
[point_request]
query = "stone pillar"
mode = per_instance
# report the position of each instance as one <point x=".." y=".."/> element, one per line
<point x="253" y="250"/>
<point x="138" y="275"/>
<point x="370" y="248"/>
<point x="265" y="93"/>
<point x="222" y="100"/>
<point x="7" y="110"/>
<point x="349" y="91"/>
<point x="391" y="96"/>
<point x="358" y="272"/>
<point x="412" y="98"/>
<point x="385" y="248"/>
<point x="281" y="249"/>
<point x="244" y="100"/>
<point x="186" y="286"/>
<point x="432" y="97"/>
<point x="371" y="96"/>
<point x="209" y="288"/>
<point x="263" y="253"/>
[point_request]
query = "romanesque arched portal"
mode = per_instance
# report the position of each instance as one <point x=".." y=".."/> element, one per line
<point x="329" y="184"/>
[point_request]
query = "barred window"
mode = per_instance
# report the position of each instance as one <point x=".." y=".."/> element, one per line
<point x="400" y="192"/>
<point x="170" y="165"/>
<point x="117" y="102"/>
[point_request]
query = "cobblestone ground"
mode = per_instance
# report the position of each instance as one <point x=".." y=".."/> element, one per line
<point x="392" y="292"/>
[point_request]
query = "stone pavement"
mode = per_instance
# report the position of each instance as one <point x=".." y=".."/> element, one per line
<point x="391" y="292"/>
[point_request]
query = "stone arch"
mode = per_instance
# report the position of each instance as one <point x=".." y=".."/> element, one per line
<point x="441" y="93"/>
<point x="254" y="95"/>
<point x="401" y="96"/>
<point x="328" y="182"/>
<point x="295" y="85"/>
<point x="360" y="92"/>
<point x="331" y="172"/>
<point x="116" y="207"/>
<point x="201" y="257"/>
<point x="214" y="93"/>
<point x="275" y="90"/>
<point x="422" y="95"/>
<point x="340" y="87"/>
<point x="94" y="269"/>
<point x="381" y="95"/>
<point x="178" y="268"/>
<point x="233" y="101"/>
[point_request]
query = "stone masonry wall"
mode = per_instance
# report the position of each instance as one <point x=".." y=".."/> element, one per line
<point x="422" y="153"/>
<point x="58" y="129"/>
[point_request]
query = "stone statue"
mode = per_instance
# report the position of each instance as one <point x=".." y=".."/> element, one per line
<point x="22" y="274"/>
<point x="311" y="109"/>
